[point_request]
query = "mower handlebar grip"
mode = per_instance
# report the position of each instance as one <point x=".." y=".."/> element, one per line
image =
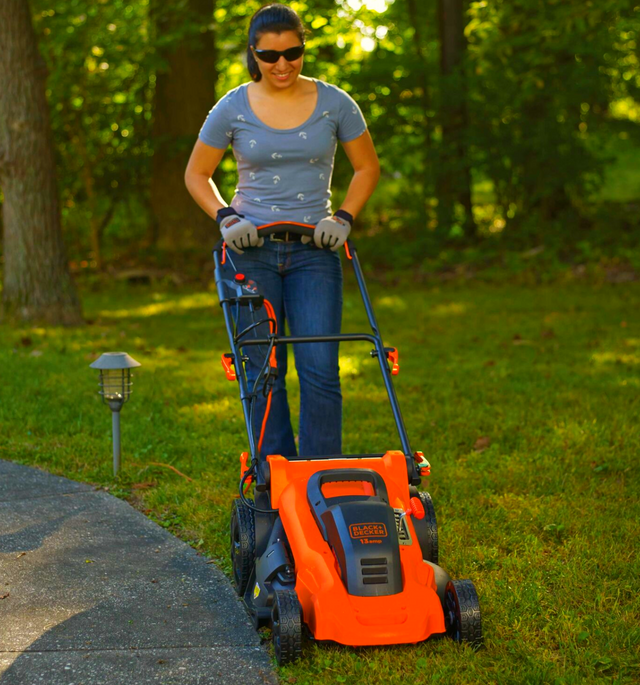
<point x="277" y="227"/>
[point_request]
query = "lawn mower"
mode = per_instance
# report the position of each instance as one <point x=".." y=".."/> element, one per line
<point x="343" y="548"/>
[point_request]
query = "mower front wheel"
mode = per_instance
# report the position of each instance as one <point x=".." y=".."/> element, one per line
<point x="462" y="613"/>
<point x="243" y="544"/>
<point x="286" y="626"/>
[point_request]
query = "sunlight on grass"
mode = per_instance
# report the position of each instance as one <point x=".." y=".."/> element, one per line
<point x="615" y="358"/>
<point x="350" y="366"/>
<point x="172" y="306"/>
<point x="635" y="382"/>
<point x="206" y="410"/>
<point x="391" y="302"/>
<point x="449" y="309"/>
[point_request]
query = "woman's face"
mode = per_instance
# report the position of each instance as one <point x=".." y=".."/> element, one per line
<point x="282" y="74"/>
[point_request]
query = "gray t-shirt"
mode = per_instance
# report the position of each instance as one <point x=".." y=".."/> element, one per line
<point x="283" y="175"/>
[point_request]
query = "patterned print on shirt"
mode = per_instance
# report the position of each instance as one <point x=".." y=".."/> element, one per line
<point x="252" y="143"/>
<point x="274" y="208"/>
<point x="302" y="134"/>
<point x="276" y="179"/>
<point x="313" y="161"/>
<point x="326" y="113"/>
<point x="276" y="155"/>
<point x="241" y="117"/>
<point x="300" y="196"/>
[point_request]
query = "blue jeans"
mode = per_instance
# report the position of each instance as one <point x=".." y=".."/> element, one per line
<point x="304" y="286"/>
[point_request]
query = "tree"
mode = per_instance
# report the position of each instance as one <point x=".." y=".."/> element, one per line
<point x="185" y="92"/>
<point x="99" y="89"/>
<point x="37" y="283"/>
<point x="454" y="172"/>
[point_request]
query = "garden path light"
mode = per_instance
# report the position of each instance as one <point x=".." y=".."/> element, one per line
<point x="115" y="388"/>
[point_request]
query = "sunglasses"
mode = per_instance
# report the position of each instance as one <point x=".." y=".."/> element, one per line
<point x="272" y="56"/>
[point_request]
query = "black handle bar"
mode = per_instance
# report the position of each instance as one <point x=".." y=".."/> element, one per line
<point x="277" y="227"/>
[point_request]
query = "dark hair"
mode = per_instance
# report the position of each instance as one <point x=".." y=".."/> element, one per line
<point x="274" y="18"/>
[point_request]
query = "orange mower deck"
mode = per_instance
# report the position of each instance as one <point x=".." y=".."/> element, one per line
<point x="328" y="610"/>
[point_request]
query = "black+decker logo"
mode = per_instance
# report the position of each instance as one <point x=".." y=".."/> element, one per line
<point x="367" y="530"/>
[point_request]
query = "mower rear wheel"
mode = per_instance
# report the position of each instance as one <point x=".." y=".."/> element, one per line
<point x="286" y="626"/>
<point x="462" y="613"/>
<point x="243" y="544"/>
<point x="427" y="529"/>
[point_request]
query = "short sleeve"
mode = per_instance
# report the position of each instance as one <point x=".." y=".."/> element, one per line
<point x="351" y="123"/>
<point x="216" y="130"/>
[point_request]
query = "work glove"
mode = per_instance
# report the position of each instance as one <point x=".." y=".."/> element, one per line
<point x="237" y="232"/>
<point x="332" y="232"/>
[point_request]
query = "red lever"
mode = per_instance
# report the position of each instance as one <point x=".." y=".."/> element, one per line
<point x="243" y="469"/>
<point x="227" y="365"/>
<point x="392" y="356"/>
<point x="416" y="508"/>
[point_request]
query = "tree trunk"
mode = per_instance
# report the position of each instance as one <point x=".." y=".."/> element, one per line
<point x="423" y="84"/>
<point x="185" y="92"/>
<point x="37" y="283"/>
<point x="454" y="174"/>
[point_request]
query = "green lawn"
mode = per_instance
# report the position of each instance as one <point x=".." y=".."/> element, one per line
<point x="545" y="521"/>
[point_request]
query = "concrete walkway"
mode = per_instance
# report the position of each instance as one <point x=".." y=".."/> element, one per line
<point x="92" y="592"/>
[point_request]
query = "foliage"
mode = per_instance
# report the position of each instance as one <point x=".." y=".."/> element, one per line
<point x="100" y="91"/>
<point x="543" y="514"/>
<point x="549" y="86"/>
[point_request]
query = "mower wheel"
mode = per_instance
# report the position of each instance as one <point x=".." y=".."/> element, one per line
<point x="243" y="544"/>
<point x="427" y="529"/>
<point x="462" y="613"/>
<point x="286" y="626"/>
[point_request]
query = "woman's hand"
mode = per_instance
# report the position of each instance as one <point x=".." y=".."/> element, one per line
<point x="238" y="233"/>
<point x="331" y="232"/>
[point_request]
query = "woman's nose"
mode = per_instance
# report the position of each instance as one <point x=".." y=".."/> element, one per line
<point x="282" y="62"/>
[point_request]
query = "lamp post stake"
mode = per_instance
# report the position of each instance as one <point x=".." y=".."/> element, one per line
<point x="115" y="416"/>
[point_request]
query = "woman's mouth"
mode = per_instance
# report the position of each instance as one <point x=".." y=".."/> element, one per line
<point x="281" y="76"/>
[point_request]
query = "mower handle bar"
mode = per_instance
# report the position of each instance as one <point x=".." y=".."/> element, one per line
<point x="289" y="226"/>
<point x="277" y="227"/>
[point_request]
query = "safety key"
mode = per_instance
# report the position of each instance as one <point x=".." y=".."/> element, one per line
<point x="227" y="365"/>
<point x="392" y="356"/>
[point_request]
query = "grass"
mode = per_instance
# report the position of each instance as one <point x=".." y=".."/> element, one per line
<point x="545" y="520"/>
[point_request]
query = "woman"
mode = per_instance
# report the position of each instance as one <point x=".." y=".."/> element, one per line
<point x="284" y="129"/>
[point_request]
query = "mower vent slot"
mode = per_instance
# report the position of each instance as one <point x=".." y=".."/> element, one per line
<point x="379" y="561"/>
<point x="374" y="571"/>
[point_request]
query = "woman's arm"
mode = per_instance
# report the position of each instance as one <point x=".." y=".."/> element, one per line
<point x="366" y="166"/>
<point x="203" y="162"/>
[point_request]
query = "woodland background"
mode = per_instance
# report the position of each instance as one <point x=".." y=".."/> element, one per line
<point x="507" y="131"/>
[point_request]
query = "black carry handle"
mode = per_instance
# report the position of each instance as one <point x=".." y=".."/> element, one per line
<point x="320" y="478"/>
<point x="318" y="502"/>
<point x="277" y="227"/>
